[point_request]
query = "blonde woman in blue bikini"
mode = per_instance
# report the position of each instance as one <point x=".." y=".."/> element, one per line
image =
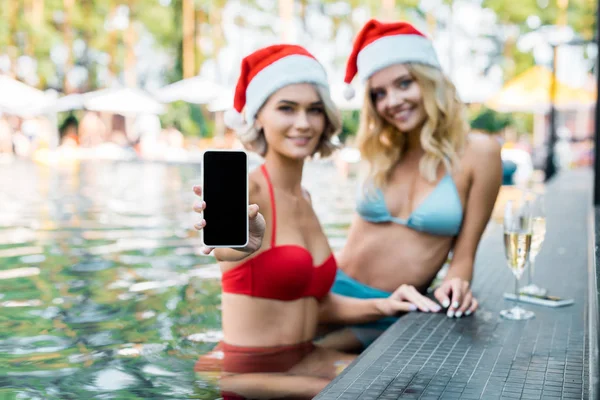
<point x="429" y="189"/>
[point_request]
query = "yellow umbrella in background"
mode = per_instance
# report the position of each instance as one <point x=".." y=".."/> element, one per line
<point x="530" y="92"/>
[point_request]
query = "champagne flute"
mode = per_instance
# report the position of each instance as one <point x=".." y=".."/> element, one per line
<point x="538" y="214"/>
<point x="517" y="245"/>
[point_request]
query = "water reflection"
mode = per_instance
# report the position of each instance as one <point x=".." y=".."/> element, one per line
<point x="103" y="291"/>
<point x="296" y="371"/>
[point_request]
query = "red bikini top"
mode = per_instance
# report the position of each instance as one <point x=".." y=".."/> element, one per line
<point x="283" y="272"/>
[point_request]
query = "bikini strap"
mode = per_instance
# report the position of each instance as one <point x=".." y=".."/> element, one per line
<point x="274" y="212"/>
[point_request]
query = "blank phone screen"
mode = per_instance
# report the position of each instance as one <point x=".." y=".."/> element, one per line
<point x="225" y="192"/>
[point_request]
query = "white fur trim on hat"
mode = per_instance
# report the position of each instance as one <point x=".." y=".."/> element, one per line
<point x="233" y="119"/>
<point x="396" y="49"/>
<point x="285" y="71"/>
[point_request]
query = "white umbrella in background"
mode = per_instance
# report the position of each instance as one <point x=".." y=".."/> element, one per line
<point x="195" y="90"/>
<point x="223" y="102"/>
<point x="21" y="99"/>
<point x="477" y="92"/>
<point x="67" y="103"/>
<point x="124" y="101"/>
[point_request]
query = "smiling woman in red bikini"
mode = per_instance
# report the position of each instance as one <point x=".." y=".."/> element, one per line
<point x="276" y="290"/>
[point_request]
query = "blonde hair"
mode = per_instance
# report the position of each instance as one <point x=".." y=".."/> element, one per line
<point x="254" y="140"/>
<point x="443" y="135"/>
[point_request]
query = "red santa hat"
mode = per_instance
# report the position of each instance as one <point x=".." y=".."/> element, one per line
<point x="267" y="70"/>
<point x="379" y="45"/>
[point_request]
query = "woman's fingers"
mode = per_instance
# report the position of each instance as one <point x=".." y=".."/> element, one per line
<point x="460" y="293"/>
<point x="442" y="294"/>
<point x="432" y="305"/>
<point x="390" y="306"/>
<point x="206" y="250"/>
<point x="457" y="294"/>
<point x="257" y="225"/>
<point x="200" y="225"/>
<point x="256" y="228"/>
<point x="199" y="207"/>
<point x="427" y="303"/>
<point x="252" y="211"/>
<point x="407" y="293"/>
<point x="473" y="308"/>
<point x="402" y="306"/>
<point x="419" y="300"/>
<point x="411" y="294"/>
<point x="466" y="303"/>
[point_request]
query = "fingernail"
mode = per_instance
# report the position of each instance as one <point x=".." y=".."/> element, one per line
<point x="468" y="312"/>
<point x="446" y="303"/>
<point x="455" y="304"/>
<point x="412" y="307"/>
<point x="450" y="313"/>
<point x="458" y="314"/>
<point x="437" y="308"/>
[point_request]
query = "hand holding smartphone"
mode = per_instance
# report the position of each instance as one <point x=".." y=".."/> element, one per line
<point x="230" y="225"/>
<point x="225" y="192"/>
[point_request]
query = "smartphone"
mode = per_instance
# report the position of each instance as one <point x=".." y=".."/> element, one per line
<point x="225" y="191"/>
<point x="549" y="301"/>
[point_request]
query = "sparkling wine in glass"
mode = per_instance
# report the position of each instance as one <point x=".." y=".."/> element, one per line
<point x="517" y="248"/>
<point x="538" y="215"/>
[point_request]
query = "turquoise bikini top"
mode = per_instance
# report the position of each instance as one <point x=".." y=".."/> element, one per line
<point x="440" y="213"/>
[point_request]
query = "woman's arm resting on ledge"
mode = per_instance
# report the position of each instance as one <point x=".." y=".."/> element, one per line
<point x="349" y="310"/>
<point x="486" y="165"/>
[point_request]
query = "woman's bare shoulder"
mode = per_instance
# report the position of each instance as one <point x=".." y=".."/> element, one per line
<point x="257" y="190"/>
<point x="480" y="146"/>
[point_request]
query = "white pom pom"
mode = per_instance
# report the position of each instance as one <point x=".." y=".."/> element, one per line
<point x="233" y="119"/>
<point x="349" y="92"/>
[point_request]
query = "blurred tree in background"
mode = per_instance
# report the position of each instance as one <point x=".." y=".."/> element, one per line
<point x="350" y="123"/>
<point x="490" y="121"/>
<point x="530" y="14"/>
<point x="65" y="42"/>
